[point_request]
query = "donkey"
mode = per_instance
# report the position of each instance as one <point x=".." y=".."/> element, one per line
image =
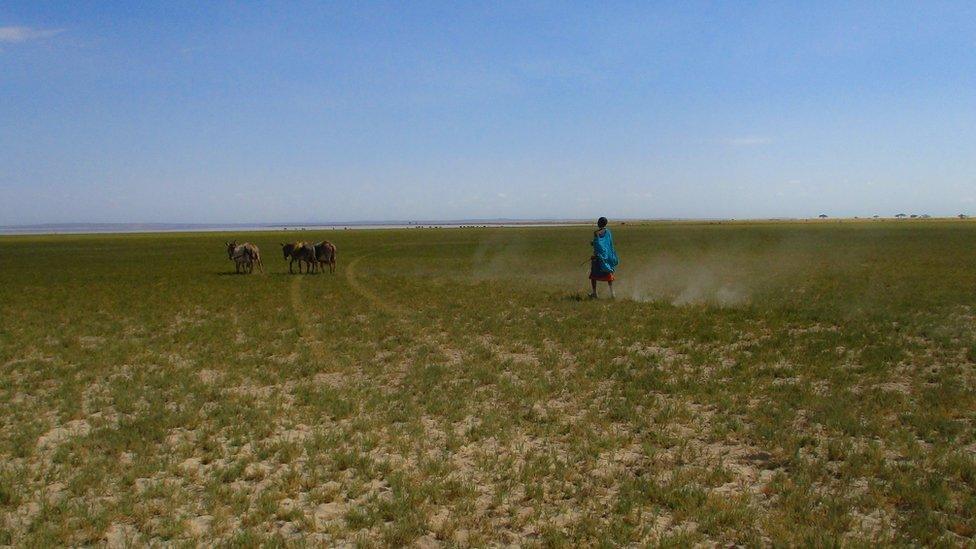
<point x="255" y="254"/>
<point x="302" y="252"/>
<point x="244" y="256"/>
<point x="325" y="252"/>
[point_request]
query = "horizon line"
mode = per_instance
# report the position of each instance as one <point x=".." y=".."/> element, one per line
<point x="78" y="228"/>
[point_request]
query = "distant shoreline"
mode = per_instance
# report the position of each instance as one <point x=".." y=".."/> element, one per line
<point x="137" y="228"/>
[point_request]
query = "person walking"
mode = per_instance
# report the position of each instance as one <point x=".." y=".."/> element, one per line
<point x="604" y="259"/>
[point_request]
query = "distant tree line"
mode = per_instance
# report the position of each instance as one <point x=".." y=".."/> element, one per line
<point x="902" y="216"/>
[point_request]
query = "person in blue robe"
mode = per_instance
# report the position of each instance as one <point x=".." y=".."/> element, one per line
<point x="604" y="260"/>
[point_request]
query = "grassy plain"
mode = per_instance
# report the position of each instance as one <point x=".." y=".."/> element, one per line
<point x="754" y="383"/>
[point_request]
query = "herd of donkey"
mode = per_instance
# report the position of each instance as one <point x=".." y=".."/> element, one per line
<point x="246" y="255"/>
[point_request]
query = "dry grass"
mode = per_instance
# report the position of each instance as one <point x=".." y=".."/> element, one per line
<point x="763" y="384"/>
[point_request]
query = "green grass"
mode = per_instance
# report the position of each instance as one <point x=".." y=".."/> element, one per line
<point x="753" y="383"/>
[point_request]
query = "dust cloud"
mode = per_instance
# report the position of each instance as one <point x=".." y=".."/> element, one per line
<point x="498" y="255"/>
<point x="703" y="280"/>
<point x="732" y="276"/>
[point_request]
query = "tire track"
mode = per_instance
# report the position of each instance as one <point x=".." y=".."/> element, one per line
<point x="306" y="331"/>
<point x="377" y="301"/>
<point x="399" y="315"/>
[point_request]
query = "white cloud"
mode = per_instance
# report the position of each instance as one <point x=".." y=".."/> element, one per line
<point x="749" y="141"/>
<point x="15" y="35"/>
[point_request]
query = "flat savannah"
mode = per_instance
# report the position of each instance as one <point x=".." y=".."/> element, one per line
<point x="749" y="383"/>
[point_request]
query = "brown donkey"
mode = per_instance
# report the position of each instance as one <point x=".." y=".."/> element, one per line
<point x="325" y="252"/>
<point x="302" y="252"/>
<point x="245" y="256"/>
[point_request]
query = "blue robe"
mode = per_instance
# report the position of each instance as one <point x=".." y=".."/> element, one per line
<point x="605" y="256"/>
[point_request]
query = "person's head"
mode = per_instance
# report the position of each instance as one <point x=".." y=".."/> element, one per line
<point x="602" y="222"/>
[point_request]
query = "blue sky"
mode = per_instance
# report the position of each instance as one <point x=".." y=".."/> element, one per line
<point x="300" y="112"/>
